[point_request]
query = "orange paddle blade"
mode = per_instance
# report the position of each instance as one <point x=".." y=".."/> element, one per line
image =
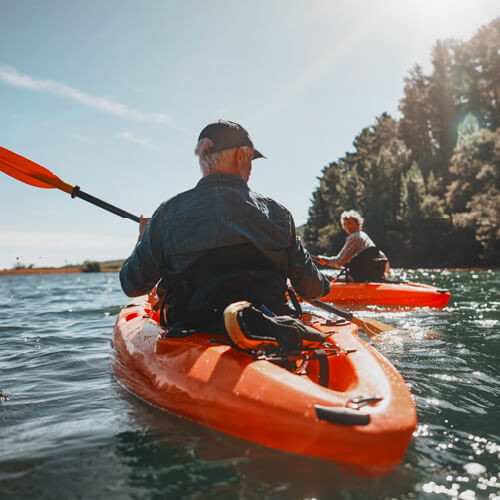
<point x="29" y="172"/>
<point x="371" y="326"/>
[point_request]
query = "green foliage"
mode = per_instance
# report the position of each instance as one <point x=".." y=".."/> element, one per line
<point x="474" y="193"/>
<point x="468" y="128"/>
<point x="474" y="167"/>
<point x="412" y="194"/>
<point x="415" y="129"/>
<point x="480" y="61"/>
<point x="432" y="207"/>
<point x="433" y="185"/>
<point x="428" y="183"/>
<point x="441" y="102"/>
<point x="91" y="267"/>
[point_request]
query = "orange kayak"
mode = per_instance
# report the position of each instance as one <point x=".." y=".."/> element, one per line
<point x="404" y="294"/>
<point x="345" y="403"/>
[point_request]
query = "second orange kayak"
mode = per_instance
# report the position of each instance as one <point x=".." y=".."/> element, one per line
<point x="404" y="294"/>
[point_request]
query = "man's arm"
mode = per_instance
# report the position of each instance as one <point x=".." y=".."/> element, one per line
<point x="305" y="277"/>
<point x="143" y="269"/>
<point x="348" y="251"/>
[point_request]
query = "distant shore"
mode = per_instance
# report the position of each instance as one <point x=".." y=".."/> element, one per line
<point x="43" y="270"/>
<point x="115" y="266"/>
<point x="86" y="267"/>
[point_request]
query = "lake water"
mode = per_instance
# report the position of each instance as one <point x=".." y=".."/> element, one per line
<point x="69" y="430"/>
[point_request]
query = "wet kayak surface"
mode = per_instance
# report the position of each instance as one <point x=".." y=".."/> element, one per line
<point x="69" y="430"/>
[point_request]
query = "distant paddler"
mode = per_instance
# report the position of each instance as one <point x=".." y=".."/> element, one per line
<point x="359" y="255"/>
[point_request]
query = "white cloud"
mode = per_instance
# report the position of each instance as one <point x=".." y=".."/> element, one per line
<point x="106" y="104"/>
<point x="131" y="137"/>
<point x="79" y="137"/>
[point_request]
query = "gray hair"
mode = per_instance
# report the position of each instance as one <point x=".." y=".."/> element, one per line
<point x="352" y="214"/>
<point x="213" y="163"/>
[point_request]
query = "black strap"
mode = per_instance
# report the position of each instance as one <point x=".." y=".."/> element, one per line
<point x="324" y="368"/>
<point x="295" y="302"/>
<point x="178" y="330"/>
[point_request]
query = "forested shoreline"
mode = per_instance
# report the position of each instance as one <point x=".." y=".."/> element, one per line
<point x="427" y="183"/>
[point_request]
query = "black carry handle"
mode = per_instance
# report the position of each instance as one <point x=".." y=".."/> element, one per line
<point x="103" y="204"/>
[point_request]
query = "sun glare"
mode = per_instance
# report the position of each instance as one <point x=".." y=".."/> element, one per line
<point x="424" y="22"/>
<point x="446" y="18"/>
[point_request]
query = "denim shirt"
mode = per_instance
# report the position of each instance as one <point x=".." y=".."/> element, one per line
<point x="219" y="211"/>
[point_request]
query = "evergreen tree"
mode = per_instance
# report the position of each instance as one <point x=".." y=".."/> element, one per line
<point x="484" y="50"/>
<point x="433" y="186"/>
<point x="433" y="206"/>
<point x="415" y="128"/>
<point x="442" y="105"/>
<point x="412" y="194"/>
<point x="352" y="190"/>
<point x="323" y="211"/>
<point x="379" y="158"/>
<point x="318" y="218"/>
<point x="474" y="194"/>
<point x="471" y="160"/>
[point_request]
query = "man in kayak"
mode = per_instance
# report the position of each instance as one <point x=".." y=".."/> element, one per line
<point x="220" y="242"/>
<point x="359" y="255"/>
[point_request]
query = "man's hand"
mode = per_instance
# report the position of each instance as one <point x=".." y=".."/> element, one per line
<point x="142" y="226"/>
<point x="323" y="260"/>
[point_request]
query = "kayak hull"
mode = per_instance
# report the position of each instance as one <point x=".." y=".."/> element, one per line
<point x="388" y="294"/>
<point x="202" y="378"/>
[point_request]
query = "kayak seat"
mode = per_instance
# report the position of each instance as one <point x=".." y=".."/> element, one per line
<point x="250" y="328"/>
<point x="368" y="266"/>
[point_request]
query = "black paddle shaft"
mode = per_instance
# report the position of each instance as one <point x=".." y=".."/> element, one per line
<point x="332" y="309"/>
<point x="103" y="204"/>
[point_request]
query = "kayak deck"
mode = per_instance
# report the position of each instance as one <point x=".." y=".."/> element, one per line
<point x="352" y="408"/>
<point x="404" y="294"/>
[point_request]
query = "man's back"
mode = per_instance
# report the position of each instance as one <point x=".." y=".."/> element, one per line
<point x="221" y="212"/>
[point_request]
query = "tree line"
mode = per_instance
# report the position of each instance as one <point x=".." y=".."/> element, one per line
<point x="428" y="182"/>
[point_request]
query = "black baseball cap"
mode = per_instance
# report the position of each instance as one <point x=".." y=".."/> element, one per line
<point x="228" y="135"/>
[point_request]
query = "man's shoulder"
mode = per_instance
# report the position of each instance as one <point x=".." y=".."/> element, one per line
<point x="270" y="202"/>
<point x="177" y="198"/>
<point x="171" y="205"/>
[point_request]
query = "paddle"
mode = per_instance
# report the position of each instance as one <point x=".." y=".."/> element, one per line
<point x="370" y="326"/>
<point x="31" y="173"/>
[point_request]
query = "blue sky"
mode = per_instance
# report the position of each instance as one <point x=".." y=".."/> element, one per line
<point x="112" y="95"/>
